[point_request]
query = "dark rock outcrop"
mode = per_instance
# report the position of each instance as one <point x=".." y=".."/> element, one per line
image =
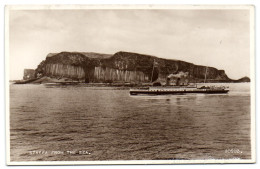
<point x="243" y="79"/>
<point x="28" y="74"/>
<point x="122" y="67"/>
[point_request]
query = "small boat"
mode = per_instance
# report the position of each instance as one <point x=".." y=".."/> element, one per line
<point x="61" y="83"/>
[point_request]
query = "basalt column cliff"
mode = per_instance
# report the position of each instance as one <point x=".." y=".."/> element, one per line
<point x="121" y="67"/>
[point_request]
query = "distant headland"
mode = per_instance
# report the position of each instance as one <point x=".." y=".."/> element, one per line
<point x="121" y="67"/>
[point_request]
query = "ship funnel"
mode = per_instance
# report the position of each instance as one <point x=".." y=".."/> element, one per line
<point x="181" y="78"/>
<point x="178" y="75"/>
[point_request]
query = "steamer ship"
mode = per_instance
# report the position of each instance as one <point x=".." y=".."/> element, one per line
<point x="179" y="88"/>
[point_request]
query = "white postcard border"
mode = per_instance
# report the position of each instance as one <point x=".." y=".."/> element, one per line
<point x="119" y="162"/>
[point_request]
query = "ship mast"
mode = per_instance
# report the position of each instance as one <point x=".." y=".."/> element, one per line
<point x="205" y="75"/>
<point x="152" y="72"/>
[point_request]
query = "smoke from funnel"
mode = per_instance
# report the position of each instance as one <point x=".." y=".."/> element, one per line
<point x="179" y="75"/>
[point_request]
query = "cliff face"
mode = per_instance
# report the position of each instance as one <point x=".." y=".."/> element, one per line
<point x="164" y="67"/>
<point x="115" y="75"/>
<point x="121" y="67"/>
<point x="60" y="70"/>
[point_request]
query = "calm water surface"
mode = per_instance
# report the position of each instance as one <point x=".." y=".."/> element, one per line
<point x="94" y="123"/>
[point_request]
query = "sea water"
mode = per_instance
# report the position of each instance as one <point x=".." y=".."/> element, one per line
<point x="79" y="123"/>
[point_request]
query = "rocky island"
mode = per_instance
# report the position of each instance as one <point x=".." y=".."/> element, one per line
<point x="121" y="67"/>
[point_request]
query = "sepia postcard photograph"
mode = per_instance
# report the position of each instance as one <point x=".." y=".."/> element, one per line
<point x="129" y="84"/>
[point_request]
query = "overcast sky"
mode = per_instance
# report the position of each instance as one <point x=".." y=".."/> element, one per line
<point x="217" y="38"/>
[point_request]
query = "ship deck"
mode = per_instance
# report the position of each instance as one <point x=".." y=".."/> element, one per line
<point x="177" y="91"/>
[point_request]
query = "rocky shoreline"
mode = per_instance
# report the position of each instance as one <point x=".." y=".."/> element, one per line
<point x="65" y="82"/>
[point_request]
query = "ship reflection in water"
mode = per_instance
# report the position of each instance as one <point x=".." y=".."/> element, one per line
<point x="101" y="123"/>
